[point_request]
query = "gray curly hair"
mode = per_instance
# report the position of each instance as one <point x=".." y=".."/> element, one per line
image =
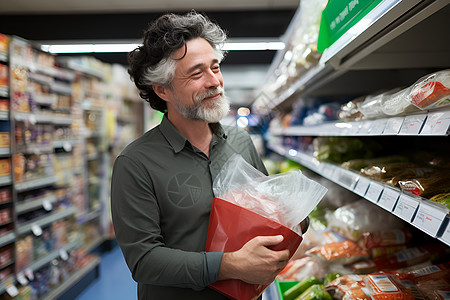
<point x="152" y="63"/>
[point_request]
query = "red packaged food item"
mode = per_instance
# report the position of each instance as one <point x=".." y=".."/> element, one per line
<point x="348" y="287"/>
<point x="4" y="42"/>
<point x="230" y="220"/>
<point x="435" y="289"/>
<point x="395" y="237"/>
<point x="250" y="204"/>
<point x="387" y="286"/>
<point x="383" y="251"/>
<point x="344" y="252"/>
<point x="431" y="91"/>
<point x="408" y="257"/>
<point x="4" y="75"/>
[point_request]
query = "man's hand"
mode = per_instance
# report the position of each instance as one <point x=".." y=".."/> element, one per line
<point x="255" y="263"/>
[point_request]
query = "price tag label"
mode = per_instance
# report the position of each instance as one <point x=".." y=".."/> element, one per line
<point x="330" y="128"/>
<point x="361" y="186"/>
<point x="32" y="119"/>
<point x="374" y="191"/>
<point x="437" y="123"/>
<point x="47" y="204"/>
<point x="22" y="279"/>
<point x="378" y="126"/>
<point x="412" y="124"/>
<point x="393" y="126"/>
<point x="388" y="199"/>
<point x="29" y="273"/>
<point x="327" y="170"/>
<point x="12" y="290"/>
<point x="36" y="229"/>
<point x="63" y="254"/>
<point x="446" y="235"/>
<point x="354" y="129"/>
<point x="429" y="218"/>
<point x="406" y="207"/>
<point x="346" y="178"/>
<point x="67" y="146"/>
<point x="365" y="128"/>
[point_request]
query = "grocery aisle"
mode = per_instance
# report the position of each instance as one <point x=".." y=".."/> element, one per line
<point x="114" y="282"/>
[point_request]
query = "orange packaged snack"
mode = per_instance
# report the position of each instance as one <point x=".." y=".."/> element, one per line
<point x="387" y="286"/>
<point x="395" y="237"/>
<point x="344" y="252"/>
<point x="348" y="287"/>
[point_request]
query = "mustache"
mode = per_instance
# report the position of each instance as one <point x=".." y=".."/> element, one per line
<point x="210" y="93"/>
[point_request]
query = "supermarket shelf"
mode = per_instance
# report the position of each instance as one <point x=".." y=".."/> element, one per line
<point x="432" y="123"/>
<point x="36" y="265"/>
<point x="405" y="36"/>
<point x="45" y="220"/>
<point x="4" y="116"/>
<point x="428" y="216"/>
<point x="5" y="180"/>
<point x="7" y="239"/>
<point x="3" y="285"/>
<point x="378" y="40"/>
<point x="92" y="246"/>
<point x="34" y="118"/>
<point x="4" y="56"/>
<point x="5" y="151"/>
<point x="4" y="91"/>
<point x="77" y="276"/>
<point x="62" y="252"/>
<point x="86" y="217"/>
<point x="46" y="202"/>
<point x="35" y="183"/>
<point x="66" y="144"/>
<point x="72" y="64"/>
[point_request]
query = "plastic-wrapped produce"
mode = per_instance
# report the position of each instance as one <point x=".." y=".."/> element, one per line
<point x="427" y="186"/>
<point x="353" y="220"/>
<point x="371" y="107"/>
<point x="431" y="91"/>
<point x="350" y="110"/>
<point x="340" y="149"/>
<point x="324" y="113"/>
<point x="397" y="103"/>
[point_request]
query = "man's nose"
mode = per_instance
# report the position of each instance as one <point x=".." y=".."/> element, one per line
<point x="212" y="81"/>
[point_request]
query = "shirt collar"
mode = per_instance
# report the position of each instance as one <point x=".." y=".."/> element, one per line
<point x="177" y="141"/>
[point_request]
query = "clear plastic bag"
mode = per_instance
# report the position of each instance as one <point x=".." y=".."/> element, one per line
<point x="431" y="91"/>
<point x="249" y="204"/>
<point x="286" y="198"/>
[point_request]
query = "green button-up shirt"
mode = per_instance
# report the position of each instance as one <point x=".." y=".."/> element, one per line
<point x="161" y="196"/>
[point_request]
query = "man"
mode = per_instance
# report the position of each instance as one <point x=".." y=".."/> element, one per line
<point x="161" y="190"/>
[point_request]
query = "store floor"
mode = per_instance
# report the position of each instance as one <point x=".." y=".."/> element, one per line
<point x="114" y="281"/>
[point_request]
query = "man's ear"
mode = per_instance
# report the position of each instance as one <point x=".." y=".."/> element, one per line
<point x="162" y="91"/>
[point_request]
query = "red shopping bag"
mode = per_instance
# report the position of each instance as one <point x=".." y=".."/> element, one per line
<point x="230" y="227"/>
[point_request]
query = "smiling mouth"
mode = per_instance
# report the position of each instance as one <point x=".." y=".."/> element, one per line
<point x="214" y="97"/>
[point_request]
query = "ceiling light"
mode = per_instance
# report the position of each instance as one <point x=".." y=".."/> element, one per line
<point x="89" y="48"/>
<point x="127" y="47"/>
<point x="253" y="46"/>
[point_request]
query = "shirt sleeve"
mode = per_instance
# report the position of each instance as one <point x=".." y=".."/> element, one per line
<point x="135" y="217"/>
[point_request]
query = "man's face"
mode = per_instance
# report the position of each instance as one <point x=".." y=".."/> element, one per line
<point x="197" y="86"/>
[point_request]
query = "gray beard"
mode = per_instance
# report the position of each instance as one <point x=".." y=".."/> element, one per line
<point x="211" y="112"/>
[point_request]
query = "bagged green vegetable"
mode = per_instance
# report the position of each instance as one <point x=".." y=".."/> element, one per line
<point x="315" y="292"/>
<point x="300" y="287"/>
